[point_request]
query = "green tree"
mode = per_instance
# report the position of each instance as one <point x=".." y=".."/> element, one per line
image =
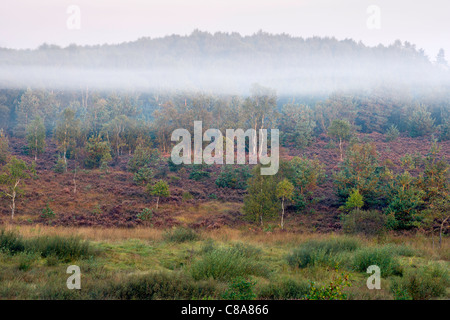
<point x="340" y="130"/>
<point x="36" y="137"/>
<point x="361" y="170"/>
<point x="261" y="200"/>
<point x="298" y="125"/>
<point x="285" y="192"/>
<point x="159" y="189"/>
<point x="13" y="172"/>
<point x="404" y="201"/>
<point x="66" y="132"/>
<point x="355" y="200"/>
<point x="305" y="174"/>
<point x="438" y="213"/>
<point x="4" y="148"/>
<point x="420" y="122"/>
<point x="98" y="152"/>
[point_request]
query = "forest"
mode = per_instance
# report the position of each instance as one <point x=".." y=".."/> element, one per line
<point x="86" y="174"/>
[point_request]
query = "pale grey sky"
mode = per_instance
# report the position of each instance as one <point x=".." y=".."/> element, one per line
<point x="29" y="23"/>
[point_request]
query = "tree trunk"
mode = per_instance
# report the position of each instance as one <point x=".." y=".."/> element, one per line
<point x="13" y="206"/>
<point x="282" y="214"/>
<point x="157" y="202"/>
<point x="340" y="148"/>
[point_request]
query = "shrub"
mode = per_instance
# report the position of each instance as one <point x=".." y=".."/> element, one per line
<point x="187" y="196"/>
<point x="334" y="291"/>
<point x="98" y="152"/>
<point x="60" y="166"/>
<point x="392" y="133"/>
<point x="181" y="235"/>
<point x="65" y="249"/>
<point x="422" y="284"/>
<point x="234" y="178"/>
<point x="370" y="222"/>
<point x="320" y="252"/>
<point x="240" y="289"/>
<point x="145" y="215"/>
<point x="11" y="242"/>
<point x="47" y="213"/>
<point x="143" y="176"/>
<point x="143" y="157"/>
<point x="198" y="174"/>
<point x="228" y="263"/>
<point x="383" y="257"/>
<point x="284" y="290"/>
<point x="162" y="286"/>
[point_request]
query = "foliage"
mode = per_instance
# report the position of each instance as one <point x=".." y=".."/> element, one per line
<point x="315" y="252"/>
<point x="181" y="235"/>
<point x="197" y="173"/>
<point x="60" y="166"/>
<point x="420" y="122"/>
<point x="298" y="125"/>
<point x="367" y="222"/>
<point x="47" y="213"/>
<point x="143" y="176"/>
<point x="161" y="285"/>
<point x="261" y="202"/>
<point x="36" y="137"/>
<point x="4" y="148"/>
<point x="383" y="257"/>
<point x="98" y="152"/>
<point x="427" y="282"/>
<point x="143" y="157"/>
<point x="287" y="289"/>
<point x="355" y="201"/>
<point x="228" y="263"/>
<point x="234" y="178"/>
<point x="145" y="215"/>
<point x="240" y="289"/>
<point x="392" y="133"/>
<point x="360" y="170"/>
<point x="334" y="291"/>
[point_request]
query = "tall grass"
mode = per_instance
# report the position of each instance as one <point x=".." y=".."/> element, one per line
<point x="325" y="252"/>
<point x="66" y="249"/>
<point x="383" y="257"/>
<point x="228" y="263"/>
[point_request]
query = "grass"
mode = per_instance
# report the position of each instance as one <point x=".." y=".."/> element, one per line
<point x="142" y="264"/>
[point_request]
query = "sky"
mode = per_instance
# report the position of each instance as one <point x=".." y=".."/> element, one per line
<point x="29" y="23"/>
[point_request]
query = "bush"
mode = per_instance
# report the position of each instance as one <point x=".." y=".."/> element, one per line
<point x="284" y="290"/>
<point x="11" y="242"/>
<point x="228" y="263"/>
<point x="421" y="284"/>
<point x="334" y="291"/>
<point x="370" y="222"/>
<point x="143" y="176"/>
<point x="392" y="133"/>
<point x="320" y="252"/>
<point x="181" y="235"/>
<point x="197" y="174"/>
<point x="60" y="166"/>
<point x="65" y="249"/>
<point x="145" y="215"/>
<point x="162" y="286"/>
<point x="47" y="213"/>
<point x="234" y="178"/>
<point x="240" y="289"/>
<point x="384" y="258"/>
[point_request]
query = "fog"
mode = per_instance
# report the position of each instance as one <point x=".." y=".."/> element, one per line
<point x="223" y="63"/>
